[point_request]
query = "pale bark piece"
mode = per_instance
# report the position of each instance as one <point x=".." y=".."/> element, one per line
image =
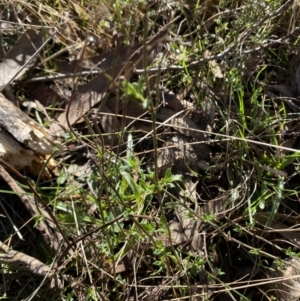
<point x="287" y="289"/>
<point x="13" y="153"/>
<point x="23" y="142"/>
<point x="181" y="124"/>
<point x="213" y="66"/>
<point x="21" y="57"/>
<point x="25" y="130"/>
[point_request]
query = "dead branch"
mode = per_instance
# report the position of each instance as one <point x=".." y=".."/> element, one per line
<point x="25" y="262"/>
<point x="46" y="226"/>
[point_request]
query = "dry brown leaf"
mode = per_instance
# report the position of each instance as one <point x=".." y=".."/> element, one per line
<point x="87" y="96"/>
<point x="289" y="96"/>
<point x="187" y="234"/>
<point x="284" y="90"/>
<point x="103" y="62"/>
<point x="292" y="236"/>
<point x="216" y="206"/>
<point x="116" y="63"/>
<point x="172" y="101"/>
<point x="44" y="94"/>
<point x="191" y="226"/>
<point x="110" y="125"/>
<point x="13" y="64"/>
<point x="184" y="230"/>
<point x="133" y="110"/>
<point x="297" y="80"/>
<point x="115" y="58"/>
<point x="183" y="125"/>
<point x="289" y="143"/>
<point x="209" y="112"/>
<point x="182" y="155"/>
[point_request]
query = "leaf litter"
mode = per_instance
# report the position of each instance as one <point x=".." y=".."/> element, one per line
<point x="186" y="136"/>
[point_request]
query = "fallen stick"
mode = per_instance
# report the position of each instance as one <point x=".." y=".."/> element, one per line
<point x="30" y="264"/>
<point x="52" y="238"/>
